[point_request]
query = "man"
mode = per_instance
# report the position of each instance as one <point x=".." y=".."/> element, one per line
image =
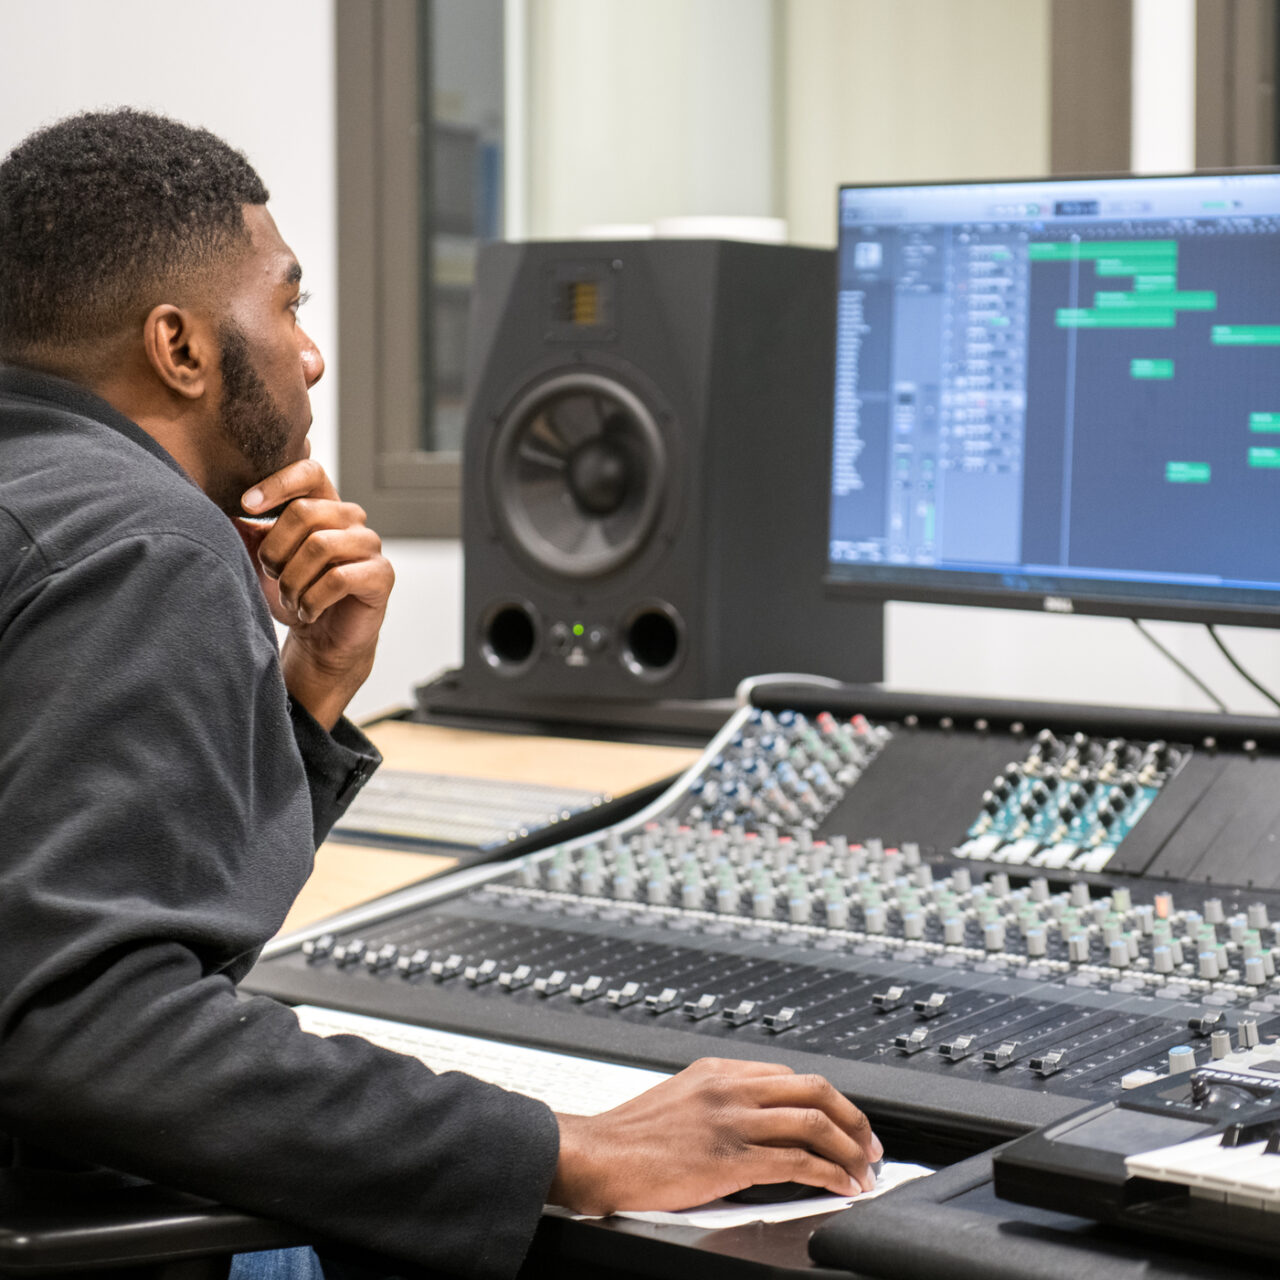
<point x="166" y="771"/>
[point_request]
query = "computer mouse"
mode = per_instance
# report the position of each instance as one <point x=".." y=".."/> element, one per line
<point x="781" y="1192"/>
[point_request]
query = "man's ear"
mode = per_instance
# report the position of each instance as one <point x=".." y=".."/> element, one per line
<point x="180" y="350"/>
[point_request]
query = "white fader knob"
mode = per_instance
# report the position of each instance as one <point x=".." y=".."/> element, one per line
<point x="1182" y="1057"/>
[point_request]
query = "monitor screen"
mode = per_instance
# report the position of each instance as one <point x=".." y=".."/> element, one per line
<point x="1061" y="394"/>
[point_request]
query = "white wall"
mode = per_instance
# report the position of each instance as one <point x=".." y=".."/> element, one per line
<point x="257" y="72"/>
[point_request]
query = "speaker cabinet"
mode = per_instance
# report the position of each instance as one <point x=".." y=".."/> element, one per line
<point x="645" y="472"/>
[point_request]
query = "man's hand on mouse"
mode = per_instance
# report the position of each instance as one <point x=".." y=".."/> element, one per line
<point x="324" y="576"/>
<point x="713" y="1129"/>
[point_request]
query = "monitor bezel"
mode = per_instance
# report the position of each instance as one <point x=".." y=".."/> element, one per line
<point x="1069" y="601"/>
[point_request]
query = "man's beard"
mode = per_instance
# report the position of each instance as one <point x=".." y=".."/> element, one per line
<point x="249" y="418"/>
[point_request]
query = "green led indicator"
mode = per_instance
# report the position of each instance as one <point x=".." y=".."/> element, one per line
<point x="578" y="629"/>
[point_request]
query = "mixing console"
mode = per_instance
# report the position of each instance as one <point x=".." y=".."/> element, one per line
<point x="973" y="918"/>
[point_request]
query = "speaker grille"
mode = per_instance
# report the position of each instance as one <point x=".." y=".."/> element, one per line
<point x="578" y="473"/>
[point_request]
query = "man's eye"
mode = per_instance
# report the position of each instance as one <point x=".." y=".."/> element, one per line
<point x="300" y="301"/>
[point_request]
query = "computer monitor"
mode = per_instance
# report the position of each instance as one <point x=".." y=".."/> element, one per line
<point x="1061" y="394"/>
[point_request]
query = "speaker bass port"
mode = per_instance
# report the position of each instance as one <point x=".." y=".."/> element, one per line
<point x="509" y="636"/>
<point x="653" y="641"/>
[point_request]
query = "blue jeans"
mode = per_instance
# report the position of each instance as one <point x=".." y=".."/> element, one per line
<point x="277" y="1264"/>
<point x="302" y="1263"/>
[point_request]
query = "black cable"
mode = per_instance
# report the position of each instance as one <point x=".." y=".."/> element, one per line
<point x="1182" y="666"/>
<point x="1230" y="657"/>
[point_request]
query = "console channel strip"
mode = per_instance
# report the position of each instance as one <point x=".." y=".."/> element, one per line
<point x="973" y="917"/>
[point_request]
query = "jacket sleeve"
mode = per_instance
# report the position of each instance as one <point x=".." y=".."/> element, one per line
<point x="337" y="763"/>
<point x="155" y="823"/>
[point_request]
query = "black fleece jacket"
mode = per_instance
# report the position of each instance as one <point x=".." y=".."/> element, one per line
<point x="160" y="805"/>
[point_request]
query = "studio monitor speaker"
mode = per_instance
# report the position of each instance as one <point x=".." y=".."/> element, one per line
<point x="645" y="472"/>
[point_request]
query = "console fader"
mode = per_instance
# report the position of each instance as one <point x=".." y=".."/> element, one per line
<point x="973" y="917"/>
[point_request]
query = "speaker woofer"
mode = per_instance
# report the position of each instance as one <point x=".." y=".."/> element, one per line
<point x="577" y="474"/>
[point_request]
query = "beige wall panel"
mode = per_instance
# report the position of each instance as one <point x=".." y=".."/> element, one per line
<point x="641" y="111"/>
<point x="909" y="90"/>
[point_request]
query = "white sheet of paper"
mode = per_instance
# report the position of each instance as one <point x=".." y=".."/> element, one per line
<point x="727" y="1213"/>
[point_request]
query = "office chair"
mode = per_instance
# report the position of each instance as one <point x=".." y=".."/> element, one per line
<point x="55" y="1225"/>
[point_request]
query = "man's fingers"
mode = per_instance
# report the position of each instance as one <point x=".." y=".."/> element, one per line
<point x="790" y="1164"/>
<point x="301" y="521"/>
<point x="366" y="580"/>
<point x="735" y="1067"/>
<point x="809" y="1131"/>
<point x="814" y="1092"/>
<point x="303" y="479"/>
<point x="320" y="552"/>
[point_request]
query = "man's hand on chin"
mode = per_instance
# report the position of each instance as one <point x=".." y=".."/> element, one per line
<point x="324" y="576"/>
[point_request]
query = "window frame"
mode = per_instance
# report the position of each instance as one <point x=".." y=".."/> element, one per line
<point x="384" y="220"/>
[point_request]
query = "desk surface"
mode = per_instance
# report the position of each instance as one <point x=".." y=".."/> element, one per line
<point x="347" y="874"/>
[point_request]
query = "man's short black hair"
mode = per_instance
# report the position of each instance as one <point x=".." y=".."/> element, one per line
<point x="98" y="212"/>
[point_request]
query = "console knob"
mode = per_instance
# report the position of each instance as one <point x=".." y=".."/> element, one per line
<point x="1257" y="915"/>
<point x="477" y="975"/>
<point x="1121" y="900"/>
<point x="515" y="979"/>
<point x="660" y="1002"/>
<point x="743" y="1012"/>
<point x="1248" y="1033"/>
<point x="781" y="1021"/>
<point x="1162" y="959"/>
<point x="555" y="981"/>
<point x="1039" y="889"/>
<point x="889" y="999"/>
<point x="1182" y="1057"/>
<point x="1208" y="965"/>
<point x="449" y="967"/>
<point x="1213" y="913"/>
<point x="993" y="935"/>
<point x="1255" y="973"/>
<point x="316" y="949"/>
<point x="1163" y="904"/>
<point x="705" y="1006"/>
<point x="1118" y="954"/>
<point x="1078" y="948"/>
<point x="591" y="989"/>
<point x="953" y="931"/>
<point x="1220" y="1044"/>
<point x="1079" y="894"/>
<point x="1037" y="941"/>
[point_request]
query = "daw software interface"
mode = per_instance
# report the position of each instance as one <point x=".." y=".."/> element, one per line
<point x="1060" y="388"/>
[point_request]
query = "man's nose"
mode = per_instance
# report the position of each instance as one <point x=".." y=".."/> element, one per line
<point x="312" y="361"/>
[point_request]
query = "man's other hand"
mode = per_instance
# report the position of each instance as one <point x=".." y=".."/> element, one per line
<point x="324" y="576"/>
<point x="715" y="1128"/>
